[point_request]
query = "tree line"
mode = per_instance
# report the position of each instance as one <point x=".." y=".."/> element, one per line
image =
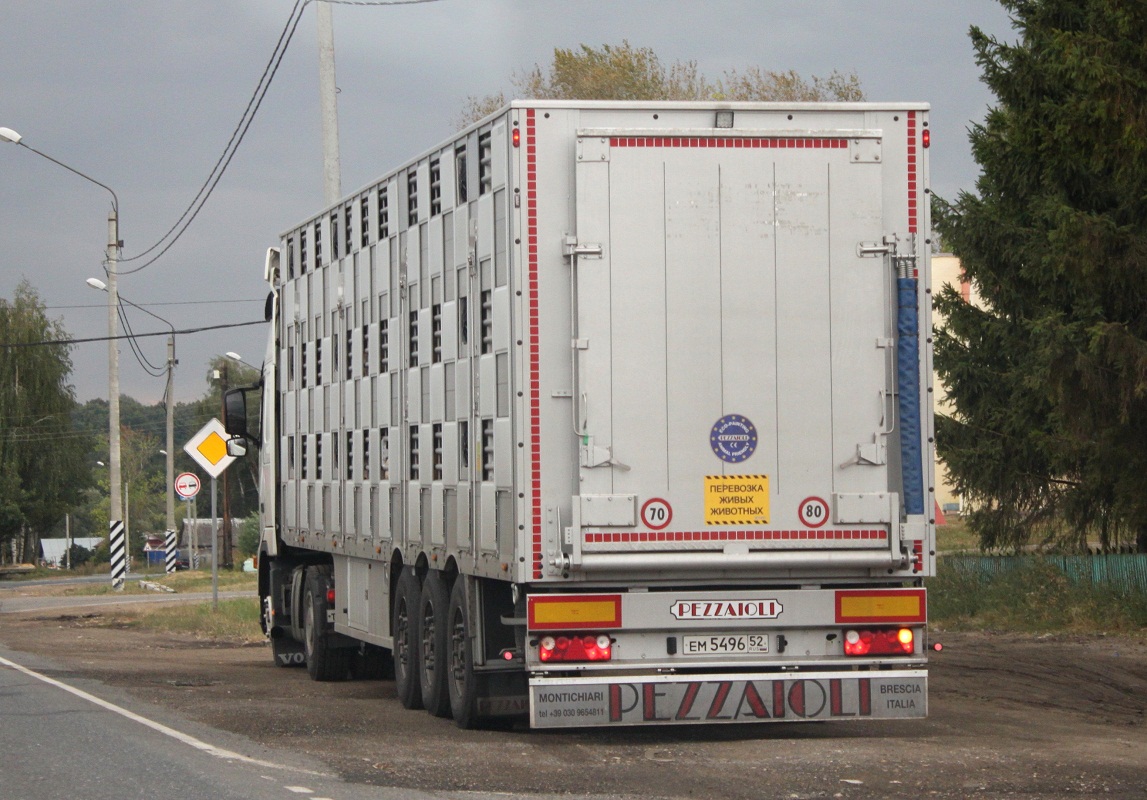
<point x="54" y="450"/>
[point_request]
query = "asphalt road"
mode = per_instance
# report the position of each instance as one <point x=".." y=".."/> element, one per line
<point x="63" y="739"/>
<point x="59" y="741"/>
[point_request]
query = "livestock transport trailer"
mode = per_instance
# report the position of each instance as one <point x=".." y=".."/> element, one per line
<point x="611" y="414"/>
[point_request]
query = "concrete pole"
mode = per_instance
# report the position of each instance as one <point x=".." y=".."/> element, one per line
<point x="116" y="516"/>
<point x="328" y="104"/>
<point x="170" y="433"/>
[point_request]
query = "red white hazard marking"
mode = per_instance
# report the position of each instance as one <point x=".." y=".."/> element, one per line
<point x="656" y="513"/>
<point x="813" y="512"/>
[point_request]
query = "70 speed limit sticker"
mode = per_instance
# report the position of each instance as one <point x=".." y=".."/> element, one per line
<point x="656" y="513"/>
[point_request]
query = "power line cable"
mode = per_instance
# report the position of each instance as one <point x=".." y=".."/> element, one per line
<point x="47" y="342"/>
<point x="269" y="71"/>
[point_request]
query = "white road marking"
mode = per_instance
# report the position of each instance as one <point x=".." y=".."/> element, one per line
<point x="179" y="736"/>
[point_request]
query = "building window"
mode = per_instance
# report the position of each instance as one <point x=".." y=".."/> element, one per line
<point x="436" y="333"/>
<point x="437" y="465"/>
<point x="348" y="228"/>
<point x="384" y="346"/>
<point x="413" y="339"/>
<point x="364" y="219"/>
<point x="412" y="197"/>
<point x="383" y="214"/>
<point x="485" y="164"/>
<point x="435" y="188"/>
<point x="460" y="171"/>
<point x="413" y="457"/>
<point x="487" y="449"/>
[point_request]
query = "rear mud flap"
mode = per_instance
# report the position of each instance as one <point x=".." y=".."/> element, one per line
<point x="680" y="699"/>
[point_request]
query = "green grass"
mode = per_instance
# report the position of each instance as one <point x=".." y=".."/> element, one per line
<point x="187" y="581"/>
<point x="234" y="620"/>
<point x="1037" y="598"/>
<point x="956" y="537"/>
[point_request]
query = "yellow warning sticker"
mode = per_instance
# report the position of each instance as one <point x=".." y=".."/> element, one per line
<point x="736" y="499"/>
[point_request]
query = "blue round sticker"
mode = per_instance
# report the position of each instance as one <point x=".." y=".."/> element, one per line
<point x="733" y="438"/>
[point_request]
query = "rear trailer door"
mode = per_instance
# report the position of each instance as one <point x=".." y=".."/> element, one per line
<point x="733" y="354"/>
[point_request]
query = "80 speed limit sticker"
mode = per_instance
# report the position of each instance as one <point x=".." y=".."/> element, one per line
<point x="813" y="512"/>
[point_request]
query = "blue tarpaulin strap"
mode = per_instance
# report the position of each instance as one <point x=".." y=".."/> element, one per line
<point x="908" y="389"/>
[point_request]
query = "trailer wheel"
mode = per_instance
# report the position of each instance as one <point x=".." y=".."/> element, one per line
<point x="285" y="650"/>
<point x="433" y="655"/>
<point x="403" y="627"/>
<point x="325" y="662"/>
<point x="461" y="684"/>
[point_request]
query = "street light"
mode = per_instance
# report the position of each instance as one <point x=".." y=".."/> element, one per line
<point x="115" y="520"/>
<point x="169" y="452"/>
<point x="235" y="357"/>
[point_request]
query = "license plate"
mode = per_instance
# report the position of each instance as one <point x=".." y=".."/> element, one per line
<point x="725" y="644"/>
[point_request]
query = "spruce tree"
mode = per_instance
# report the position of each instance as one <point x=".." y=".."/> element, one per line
<point x="1047" y="377"/>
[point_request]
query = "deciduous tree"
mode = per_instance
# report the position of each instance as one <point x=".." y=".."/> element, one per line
<point x="42" y="468"/>
<point x="625" y="72"/>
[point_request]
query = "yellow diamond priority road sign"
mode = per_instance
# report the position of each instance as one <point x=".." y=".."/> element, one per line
<point x="209" y="448"/>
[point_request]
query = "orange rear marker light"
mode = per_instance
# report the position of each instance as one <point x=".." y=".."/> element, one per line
<point x="566" y="612"/>
<point x="881" y="605"/>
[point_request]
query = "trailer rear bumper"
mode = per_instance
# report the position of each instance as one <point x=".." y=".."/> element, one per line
<point x="734" y="697"/>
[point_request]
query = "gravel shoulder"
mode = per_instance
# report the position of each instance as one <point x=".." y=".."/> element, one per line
<point x="1010" y="715"/>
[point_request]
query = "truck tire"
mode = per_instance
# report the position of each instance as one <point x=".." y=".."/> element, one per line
<point x="325" y="661"/>
<point x="461" y="683"/>
<point x="404" y="629"/>
<point x="285" y="650"/>
<point x="433" y="653"/>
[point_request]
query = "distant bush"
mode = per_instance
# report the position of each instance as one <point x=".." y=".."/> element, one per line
<point x="248" y="538"/>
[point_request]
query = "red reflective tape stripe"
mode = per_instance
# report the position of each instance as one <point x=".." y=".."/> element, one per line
<point x="535" y="398"/>
<point x="864" y="686"/>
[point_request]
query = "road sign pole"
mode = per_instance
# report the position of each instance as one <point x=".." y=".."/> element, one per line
<point x="214" y="550"/>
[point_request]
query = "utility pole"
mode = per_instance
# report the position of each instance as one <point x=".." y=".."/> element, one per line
<point x="224" y="384"/>
<point x="328" y="104"/>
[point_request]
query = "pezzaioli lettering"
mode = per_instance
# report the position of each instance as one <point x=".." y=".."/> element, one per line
<point x="744" y="700"/>
<point x="726" y="609"/>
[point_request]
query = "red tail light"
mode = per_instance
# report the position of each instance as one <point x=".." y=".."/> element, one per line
<point x="331" y="596"/>
<point x="579" y="647"/>
<point x="879" y="642"/>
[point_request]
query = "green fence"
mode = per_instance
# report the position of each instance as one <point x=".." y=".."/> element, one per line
<point x="1121" y="572"/>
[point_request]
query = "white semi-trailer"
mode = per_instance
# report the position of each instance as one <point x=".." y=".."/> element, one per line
<point x="612" y="414"/>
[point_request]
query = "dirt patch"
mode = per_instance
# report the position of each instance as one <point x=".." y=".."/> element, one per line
<point x="1058" y="716"/>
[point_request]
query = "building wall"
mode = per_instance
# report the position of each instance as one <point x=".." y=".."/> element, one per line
<point x="947" y="271"/>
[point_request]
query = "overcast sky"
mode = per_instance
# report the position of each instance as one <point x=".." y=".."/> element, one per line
<point x="143" y="96"/>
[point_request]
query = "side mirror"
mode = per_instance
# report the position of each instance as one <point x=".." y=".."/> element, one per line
<point x="235" y="414"/>
<point x="236" y="448"/>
